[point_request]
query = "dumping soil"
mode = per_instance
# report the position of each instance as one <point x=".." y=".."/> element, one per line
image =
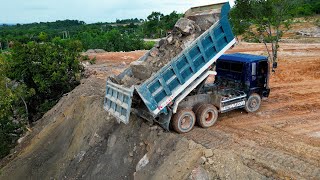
<point x="77" y="139"/>
<point x="185" y="31"/>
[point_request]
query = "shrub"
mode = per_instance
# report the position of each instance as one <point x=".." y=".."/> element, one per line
<point x="93" y="60"/>
<point x="51" y="69"/>
<point x="149" y="45"/>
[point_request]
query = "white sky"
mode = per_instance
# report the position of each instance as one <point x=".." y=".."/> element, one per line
<point x="90" y="11"/>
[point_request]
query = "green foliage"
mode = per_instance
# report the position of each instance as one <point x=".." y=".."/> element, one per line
<point x="85" y="58"/>
<point x="43" y="36"/>
<point x="93" y="60"/>
<point x="317" y="22"/>
<point x="149" y="44"/>
<point x="128" y="21"/>
<point x="50" y="69"/>
<point x="157" y="24"/>
<point x="128" y="32"/>
<point x="13" y="112"/>
<point x="263" y="21"/>
<point x="306" y="8"/>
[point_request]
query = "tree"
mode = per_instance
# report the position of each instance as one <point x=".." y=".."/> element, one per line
<point x="43" y="36"/>
<point x="49" y="69"/>
<point x="263" y="21"/>
<point x="152" y="27"/>
<point x="13" y="109"/>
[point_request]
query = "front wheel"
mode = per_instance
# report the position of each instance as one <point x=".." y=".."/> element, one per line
<point x="183" y="121"/>
<point x="253" y="103"/>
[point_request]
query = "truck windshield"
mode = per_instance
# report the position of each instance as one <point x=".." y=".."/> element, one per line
<point x="230" y="66"/>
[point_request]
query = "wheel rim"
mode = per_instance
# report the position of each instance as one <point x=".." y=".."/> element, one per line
<point x="253" y="103"/>
<point x="209" y="116"/>
<point x="185" y="122"/>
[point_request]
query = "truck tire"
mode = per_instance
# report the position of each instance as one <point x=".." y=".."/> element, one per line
<point x="183" y="121"/>
<point x="207" y="115"/>
<point x="253" y="103"/>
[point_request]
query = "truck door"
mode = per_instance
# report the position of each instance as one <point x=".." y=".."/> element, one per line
<point x="259" y="77"/>
<point x="262" y="74"/>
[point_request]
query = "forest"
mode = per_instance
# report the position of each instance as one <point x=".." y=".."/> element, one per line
<point x="122" y="35"/>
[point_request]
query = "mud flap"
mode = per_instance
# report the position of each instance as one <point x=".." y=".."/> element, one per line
<point x="118" y="100"/>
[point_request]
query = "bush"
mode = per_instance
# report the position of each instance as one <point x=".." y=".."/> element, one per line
<point x="85" y="58"/>
<point x="93" y="60"/>
<point x="149" y="45"/>
<point x="12" y="111"/>
<point x="50" y="69"/>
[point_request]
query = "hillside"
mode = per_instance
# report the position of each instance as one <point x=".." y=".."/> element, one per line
<point x="77" y="139"/>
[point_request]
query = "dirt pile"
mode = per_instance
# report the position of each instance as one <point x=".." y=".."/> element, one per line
<point x="78" y="140"/>
<point x="183" y="34"/>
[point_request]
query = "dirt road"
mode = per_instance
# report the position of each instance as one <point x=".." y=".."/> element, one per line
<point x="78" y="140"/>
<point x="283" y="138"/>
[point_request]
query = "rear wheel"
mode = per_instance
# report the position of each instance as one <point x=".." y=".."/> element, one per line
<point x="253" y="103"/>
<point x="183" y="121"/>
<point x="207" y="115"/>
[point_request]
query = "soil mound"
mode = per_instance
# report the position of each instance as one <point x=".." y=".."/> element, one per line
<point x="183" y="34"/>
<point x="78" y="140"/>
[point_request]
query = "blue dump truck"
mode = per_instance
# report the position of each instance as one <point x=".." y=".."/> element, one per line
<point x="179" y="94"/>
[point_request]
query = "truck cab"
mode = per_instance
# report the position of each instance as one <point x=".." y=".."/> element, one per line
<point x="241" y="81"/>
<point x="245" y="72"/>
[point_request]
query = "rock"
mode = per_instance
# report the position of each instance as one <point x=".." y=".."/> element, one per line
<point x="182" y="36"/>
<point x="112" y="141"/>
<point x="199" y="146"/>
<point x="142" y="163"/>
<point x="90" y="51"/>
<point x="170" y="39"/>
<point x="20" y="140"/>
<point x="301" y="33"/>
<point x="80" y="156"/>
<point x="99" y="51"/>
<point x="199" y="174"/>
<point x="161" y="43"/>
<point x="202" y="160"/>
<point x="192" y="145"/>
<point x="186" y="26"/>
<point x="208" y="153"/>
<point x="154" y="52"/>
<point x="140" y="70"/>
<point x="188" y="41"/>
<point x="158" y="151"/>
<point x="210" y="161"/>
<point x="153" y="128"/>
<point x="160" y="132"/>
<point x="123" y="63"/>
<point x="129" y="81"/>
<point x="131" y="154"/>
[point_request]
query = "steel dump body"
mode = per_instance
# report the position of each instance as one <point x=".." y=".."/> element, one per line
<point x="164" y="86"/>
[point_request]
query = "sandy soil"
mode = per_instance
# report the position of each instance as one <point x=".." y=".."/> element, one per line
<point x="282" y="140"/>
<point x="78" y="140"/>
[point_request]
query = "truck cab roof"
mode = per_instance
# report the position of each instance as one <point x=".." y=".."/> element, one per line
<point x="244" y="58"/>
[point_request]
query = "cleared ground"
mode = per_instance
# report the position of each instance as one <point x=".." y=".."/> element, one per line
<point x="283" y="138"/>
<point x="78" y="140"/>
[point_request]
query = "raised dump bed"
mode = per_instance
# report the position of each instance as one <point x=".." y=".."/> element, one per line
<point x="160" y="91"/>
